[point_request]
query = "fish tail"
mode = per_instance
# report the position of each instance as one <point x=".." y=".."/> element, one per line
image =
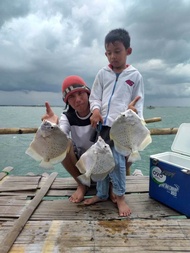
<point x="33" y="154"/>
<point x="46" y="165"/>
<point x="143" y="122"/>
<point x="121" y="150"/>
<point x="134" y="156"/>
<point x="84" y="180"/>
<point x="145" y="143"/>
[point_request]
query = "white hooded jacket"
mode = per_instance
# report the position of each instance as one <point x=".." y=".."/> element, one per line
<point x="112" y="94"/>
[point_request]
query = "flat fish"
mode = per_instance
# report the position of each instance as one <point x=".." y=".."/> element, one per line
<point x="49" y="146"/>
<point x="96" y="163"/>
<point x="130" y="135"/>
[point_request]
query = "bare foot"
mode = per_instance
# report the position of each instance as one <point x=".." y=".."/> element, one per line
<point x="78" y="195"/>
<point x="124" y="210"/>
<point x="93" y="200"/>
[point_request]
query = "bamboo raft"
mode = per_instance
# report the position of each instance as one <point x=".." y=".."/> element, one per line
<point x="36" y="216"/>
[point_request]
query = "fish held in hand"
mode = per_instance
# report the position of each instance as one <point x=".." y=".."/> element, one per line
<point x="130" y="135"/>
<point x="96" y="163"/>
<point x="49" y="146"/>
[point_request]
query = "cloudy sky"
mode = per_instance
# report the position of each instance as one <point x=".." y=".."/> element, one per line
<point x="41" y="42"/>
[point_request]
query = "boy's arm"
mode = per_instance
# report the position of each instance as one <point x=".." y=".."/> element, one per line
<point x="96" y="118"/>
<point x="95" y="98"/>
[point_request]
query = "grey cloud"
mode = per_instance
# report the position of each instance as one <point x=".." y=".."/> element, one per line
<point x="49" y="40"/>
<point x="13" y="9"/>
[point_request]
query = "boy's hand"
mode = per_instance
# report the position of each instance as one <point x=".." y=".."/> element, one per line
<point x="133" y="103"/>
<point x="96" y="118"/>
<point x="50" y="116"/>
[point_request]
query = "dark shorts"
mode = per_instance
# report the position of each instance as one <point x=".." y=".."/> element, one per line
<point x="78" y="151"/>
<point x="104" y="133"/>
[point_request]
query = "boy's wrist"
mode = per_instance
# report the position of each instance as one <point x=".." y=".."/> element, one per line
<point x="96" y="110"/>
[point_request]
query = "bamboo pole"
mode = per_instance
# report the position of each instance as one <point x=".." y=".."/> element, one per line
<point x="153" y="131"/>
<point x="31" y="130"/>
<point x="28" y="130"/>
<point x="151" y="120"/>
<point x="163" y="131"/>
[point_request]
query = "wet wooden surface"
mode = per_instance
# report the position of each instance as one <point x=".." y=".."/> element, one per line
<point x="57" y="225"/>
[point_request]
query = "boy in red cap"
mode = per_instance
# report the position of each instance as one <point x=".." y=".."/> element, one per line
<point x="75" y="122"/>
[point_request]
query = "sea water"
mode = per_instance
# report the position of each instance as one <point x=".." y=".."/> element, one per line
<point x="13" y="146"/>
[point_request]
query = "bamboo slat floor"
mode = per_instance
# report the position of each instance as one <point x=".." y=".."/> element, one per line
<point x="57" y="225"/>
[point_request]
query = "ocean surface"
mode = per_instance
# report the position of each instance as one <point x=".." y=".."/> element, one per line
<point x="13" y="146"/>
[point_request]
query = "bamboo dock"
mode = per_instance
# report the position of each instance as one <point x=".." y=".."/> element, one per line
<point x="36" y="216"/>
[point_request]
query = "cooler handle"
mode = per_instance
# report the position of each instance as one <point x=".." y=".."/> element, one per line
<point x="186" y="171"/>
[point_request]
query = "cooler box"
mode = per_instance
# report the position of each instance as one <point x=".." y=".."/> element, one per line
<point x="170" y="173"/>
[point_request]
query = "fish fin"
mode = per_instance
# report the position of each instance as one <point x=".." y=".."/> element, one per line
<point x="58" y="159"/>
<point x="61" y="157"/>
<point x="143" y="122"/>
<point x="137" y="173"/>
<point x="111" y="137"/>
<point x="46" y="165"/>
<point x="31" y="152"/>
<point x="121" y="150"/>
<point x="134" y="156"/>
<point x="99" y="177"/>
<point x="86" y="161"/>
<point x="145" y="142"/>
<point x="84" y="180"/>
<point x="80" y="166"/>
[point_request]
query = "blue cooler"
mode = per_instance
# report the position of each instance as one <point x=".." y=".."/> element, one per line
<point x="170" y="173"/>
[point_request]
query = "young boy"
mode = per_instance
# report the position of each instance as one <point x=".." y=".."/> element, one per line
<point x="116" y="88"/>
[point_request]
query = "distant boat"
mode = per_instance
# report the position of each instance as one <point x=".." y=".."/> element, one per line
<point x="150" y="107"/>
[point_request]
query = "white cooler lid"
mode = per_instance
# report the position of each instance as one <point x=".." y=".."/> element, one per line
<point x="181" y="143"/>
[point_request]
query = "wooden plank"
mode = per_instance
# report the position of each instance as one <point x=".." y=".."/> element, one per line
<point x="18" y="188"/>
<point x="142" y="207"/>
<point x="22" y="179"/>
<point x="131" y="181"/>
<point x="103" y="236"/>
<point x="12" y="207"/>
<point x="66" y="187"/>
<point x="58" y="225"/>
<point x="62" y="209"/>
<point x="21" y="221"/>
<point x="5" y="172"/>
<point x="18" y="194"/>
<point x="20" y="183"/>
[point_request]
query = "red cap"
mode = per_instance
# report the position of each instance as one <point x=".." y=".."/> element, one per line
<point x="72" y="84"/>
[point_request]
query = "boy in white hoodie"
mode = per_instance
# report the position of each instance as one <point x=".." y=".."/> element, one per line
<point x="117" y="87"/>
